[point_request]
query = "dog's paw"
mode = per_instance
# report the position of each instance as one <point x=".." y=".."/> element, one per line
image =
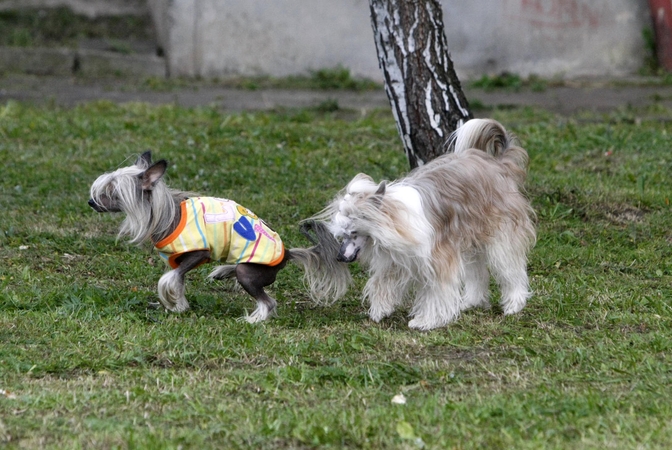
<point x="260" y="314"/>
<point x="180" y="306"/>
<point x="171" y="292"/>
<point x="470" y="303"/>
<point x="513" y="308"/>
<point x="177" y="306"/>
<point x="423" y="324"/>
<point x="514" y="302"/>
<point x="255" y="318"/>
<point x="377" y="314"/>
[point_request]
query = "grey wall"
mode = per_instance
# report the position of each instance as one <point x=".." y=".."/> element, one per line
<point x="547" y="37"/>
<point x="220" y="38"/>
<point x="566" y="38"/>
<point x="215" y="38"/>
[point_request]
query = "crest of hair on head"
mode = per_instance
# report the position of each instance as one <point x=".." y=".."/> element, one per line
<point x="149" y="212"/>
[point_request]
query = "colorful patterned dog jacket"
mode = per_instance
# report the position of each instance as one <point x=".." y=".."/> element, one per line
<point x="230" y="231"/>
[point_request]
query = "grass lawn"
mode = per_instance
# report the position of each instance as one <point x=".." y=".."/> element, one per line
<point x="85" y="364"/>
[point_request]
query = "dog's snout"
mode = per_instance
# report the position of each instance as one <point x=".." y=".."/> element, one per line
<point x="348" y="251"/>
<point x="96" y="207"/>
<point x="342" y="258"/>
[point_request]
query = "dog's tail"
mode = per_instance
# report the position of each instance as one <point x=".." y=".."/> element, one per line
<point x="491" y="137"/>
<point x="326" y="277"/>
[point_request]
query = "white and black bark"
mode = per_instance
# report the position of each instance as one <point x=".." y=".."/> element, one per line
<point x="424" y="92"/>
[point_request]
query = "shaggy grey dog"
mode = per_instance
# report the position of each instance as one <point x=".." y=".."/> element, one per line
<point x="432" y="236"/>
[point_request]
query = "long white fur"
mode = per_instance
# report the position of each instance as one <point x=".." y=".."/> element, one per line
<point x="468" y="133"/>
<point x="416" y="249"/>
<point x="260" y="314"/>
<point x="143" y="218"/>
<point x="171" y="292"/>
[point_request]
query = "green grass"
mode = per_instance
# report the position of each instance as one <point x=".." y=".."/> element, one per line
<point x="510" y="82"/>
<point x="336" y="78"/>
<point x="585" y="365"/>
<point x="329" y="79"/>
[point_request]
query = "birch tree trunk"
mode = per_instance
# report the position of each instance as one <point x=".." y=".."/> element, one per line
<point x="424" y="92"/>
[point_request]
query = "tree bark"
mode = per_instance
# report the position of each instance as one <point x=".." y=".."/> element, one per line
<point x="424" y="92"/>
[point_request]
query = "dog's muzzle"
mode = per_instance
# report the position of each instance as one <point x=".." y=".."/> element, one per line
<point x="350" y="248"/>
<point x="96" y="207"/>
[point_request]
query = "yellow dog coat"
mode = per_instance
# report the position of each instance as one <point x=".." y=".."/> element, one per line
<point x="230" y="231"/>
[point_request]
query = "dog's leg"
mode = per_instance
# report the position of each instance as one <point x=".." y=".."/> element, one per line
<point x="437" y="304"/>
<point x="475" y="293"/>
<point x="171" y="291"/>
<point x="385" y="291"/>
<point x="508" y="261"/>
<point x="253" y="278"/>
<point x="171" y="284"/>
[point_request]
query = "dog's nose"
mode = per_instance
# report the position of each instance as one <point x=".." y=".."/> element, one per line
<point x="341" y="258"/>
<point x="348" y="252"/>
<point x="96" y="207"/>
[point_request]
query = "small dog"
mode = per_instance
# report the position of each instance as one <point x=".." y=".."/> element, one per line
<point x="435" y="232"/>
<point x="189" y="230"/>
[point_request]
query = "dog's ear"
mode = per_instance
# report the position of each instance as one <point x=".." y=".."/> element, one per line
<point x="377" y="197"/>
<point x="381" y="189"/>
<point x="144" y="160"/>
<point x="150" y="176"/>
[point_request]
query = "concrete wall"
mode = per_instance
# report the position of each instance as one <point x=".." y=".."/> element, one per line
<point x="567" y="38"/>
<point x="220" y="38"/>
